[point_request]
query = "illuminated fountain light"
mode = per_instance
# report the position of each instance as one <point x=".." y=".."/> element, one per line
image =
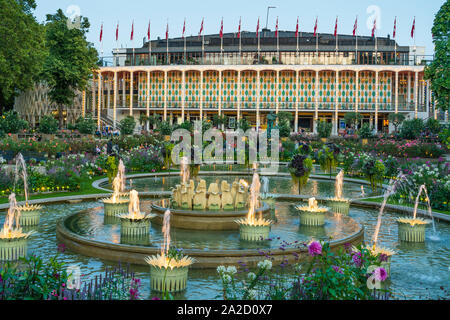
<point x="254" y="228"/>
<point x="116" y="204"/>
<point x="338" y="204"/>
<point x="168" y="270"/>
<point x="29" y="214"/>
<point x="413" y="229"/>
<point x="13" y="241"/>
<point x="312" y="214"/>
<point x="135" y="224"/>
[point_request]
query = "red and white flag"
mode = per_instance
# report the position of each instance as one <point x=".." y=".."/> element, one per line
<point x="394" y="33"/>
<point x="184" y="28"/>
<point x="336" y="27"/>
<point x="296" y="29"/>
<point x="239" y="29"/>
<point x="148" y="31"/>
<point x="315" y="28"/>
<point x="132" y="32"/>
<point x="413" y="29"/>
<point x="201" y="29"/>
<point x="101" y="33"/>
<point x="374" y="28"/>
<point x="257" y="29"/>
<point x="276" y="29"/>
<point x="167" y="32"/>
<point x="355" y="27"/>
<point x="221" y="29"/>
<point x="117" y="32"/>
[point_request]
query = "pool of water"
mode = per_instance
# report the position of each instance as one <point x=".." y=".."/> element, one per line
<point x="279" y="185"/>
<point x="418" y="270"/>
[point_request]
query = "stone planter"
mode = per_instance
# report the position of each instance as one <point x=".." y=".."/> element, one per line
<point x="167" y="279"/>
<point x="254" y="233"/>
<point x="411" y="233"/>
<point x="29" y="217"/>
<point x="13" y="249"/>
<point x="134" y="228"/>
<point x="310" y="218"/>
<point x="113" y="209"/>
<point x="340" y="207"/>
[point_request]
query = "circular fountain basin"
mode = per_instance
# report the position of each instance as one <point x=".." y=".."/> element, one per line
<point x="204" y="220"/>
<point x="85" y="233"/>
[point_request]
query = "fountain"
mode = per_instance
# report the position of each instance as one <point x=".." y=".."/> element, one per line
<point x="30" y="214"/>
<point x="134" y="224"/>
<point x="252" y="228"/>
<point x="169" y="270"/>
<point x="378" y="251"/>
<point x="117" y="204"/>
<point x="123" y="179"/>
<point x="312" y="215"/>
<point x="13" y="241"/>
<point x="338" y="204"/>
<point x="413" y="230"/>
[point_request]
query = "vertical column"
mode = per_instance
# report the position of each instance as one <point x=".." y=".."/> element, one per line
<point x="83" y="104"/>
<point x="357" y="92"/>
<point x="376" y="100"/>
<point x="220" y="93"/>
<point x="108" y="81"/>
<point x="316" y="96"/>
<point x="336" y="110"/>
<point x="239" y="97"/>
<point x="408" y="96"/>
<point x="99" y="105"/>
<point x="258" y="99"/>
<point x="93" y="95"/>
<point x="165" y="95"/>
<point x="396" y="92"/>
<point x="201" y="95"/>
<point x="183" y="93"/>
<point x="131" y="92"/>
<point x="434" y="105"/>
<point x="277" y="95"/>
<point x="124" y="89"/>
<point x="297" y="99"/>
<point x="416" y="100"/>
<point x="148" y="99"/>
<point x="115" y="102"/>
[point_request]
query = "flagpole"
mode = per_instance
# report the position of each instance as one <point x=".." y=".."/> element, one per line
<point x="337" y="46"/>
<point x="356" y="34"/>
<point x="240" y="40"/>
<point x="297" y="36"/>
<point x="317" y="39"/>
<point x="259" y="36"/>
<point x="221" y="41"/>
<point x="415" y="47"/>
<point x="149" y="47"/>
<point x="278" y="44"/>
<point x="167" y="41"/>
<point x="184" y="38"/>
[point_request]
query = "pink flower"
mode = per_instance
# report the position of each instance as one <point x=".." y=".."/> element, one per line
<point x="380" y="274"/>
<point x="315" y="248"/>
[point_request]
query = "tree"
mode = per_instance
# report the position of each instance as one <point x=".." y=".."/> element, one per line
<point x="70" y="62"/>
<point x="127" y="125"/>
<point x="352" y="119"/>
<point x="411" y="129"/>
<point x="22" y="49"/>
<point x="10" y="122"/>
<point x="244" y="125"/>
<point x="219" y="120"/>
<point x="324" y="129"/>
<point x="86" y="125"/>
<point x="396" y="119"/>
<point x="143" y="118"/>
<point x="284" y="123"/>
<point x="439" y="70"/>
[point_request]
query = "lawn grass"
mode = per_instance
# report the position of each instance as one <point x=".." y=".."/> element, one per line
<point x="394" y="202"/>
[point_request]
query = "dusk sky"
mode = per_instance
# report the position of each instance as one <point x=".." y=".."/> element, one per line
<point x="175" y="11"/>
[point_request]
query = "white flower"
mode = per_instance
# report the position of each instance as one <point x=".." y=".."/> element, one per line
<point x="221" y="269"/>
<point x="251" y="276"/>
<point x="231" y="270"/>
<point x="266" y="264"/>
<point x="226" y="278"/>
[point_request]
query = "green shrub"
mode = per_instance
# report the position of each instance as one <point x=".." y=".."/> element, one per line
<point x="48" y="125"/>
<point x="10" y="122"/>
<point x="365" y="132"/>
<point x="433" y="126"/>
<point x="127" y="125"/>
<point x="86" y="125"/>
<point x="411" y="129"/>
<point x="324" y="129"/>
<point x="165" y="128"/>
<point x="244" y="124"/>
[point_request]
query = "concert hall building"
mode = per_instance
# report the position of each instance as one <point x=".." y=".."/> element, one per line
<point x="193" y="78"/>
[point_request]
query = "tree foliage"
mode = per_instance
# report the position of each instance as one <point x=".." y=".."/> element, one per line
<point x="127" y="125"/>
<point x="22" y="49"/>
<point x="48" y="125"/>
<point x="439" y="70"/>
<point x="70" y="61"/>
